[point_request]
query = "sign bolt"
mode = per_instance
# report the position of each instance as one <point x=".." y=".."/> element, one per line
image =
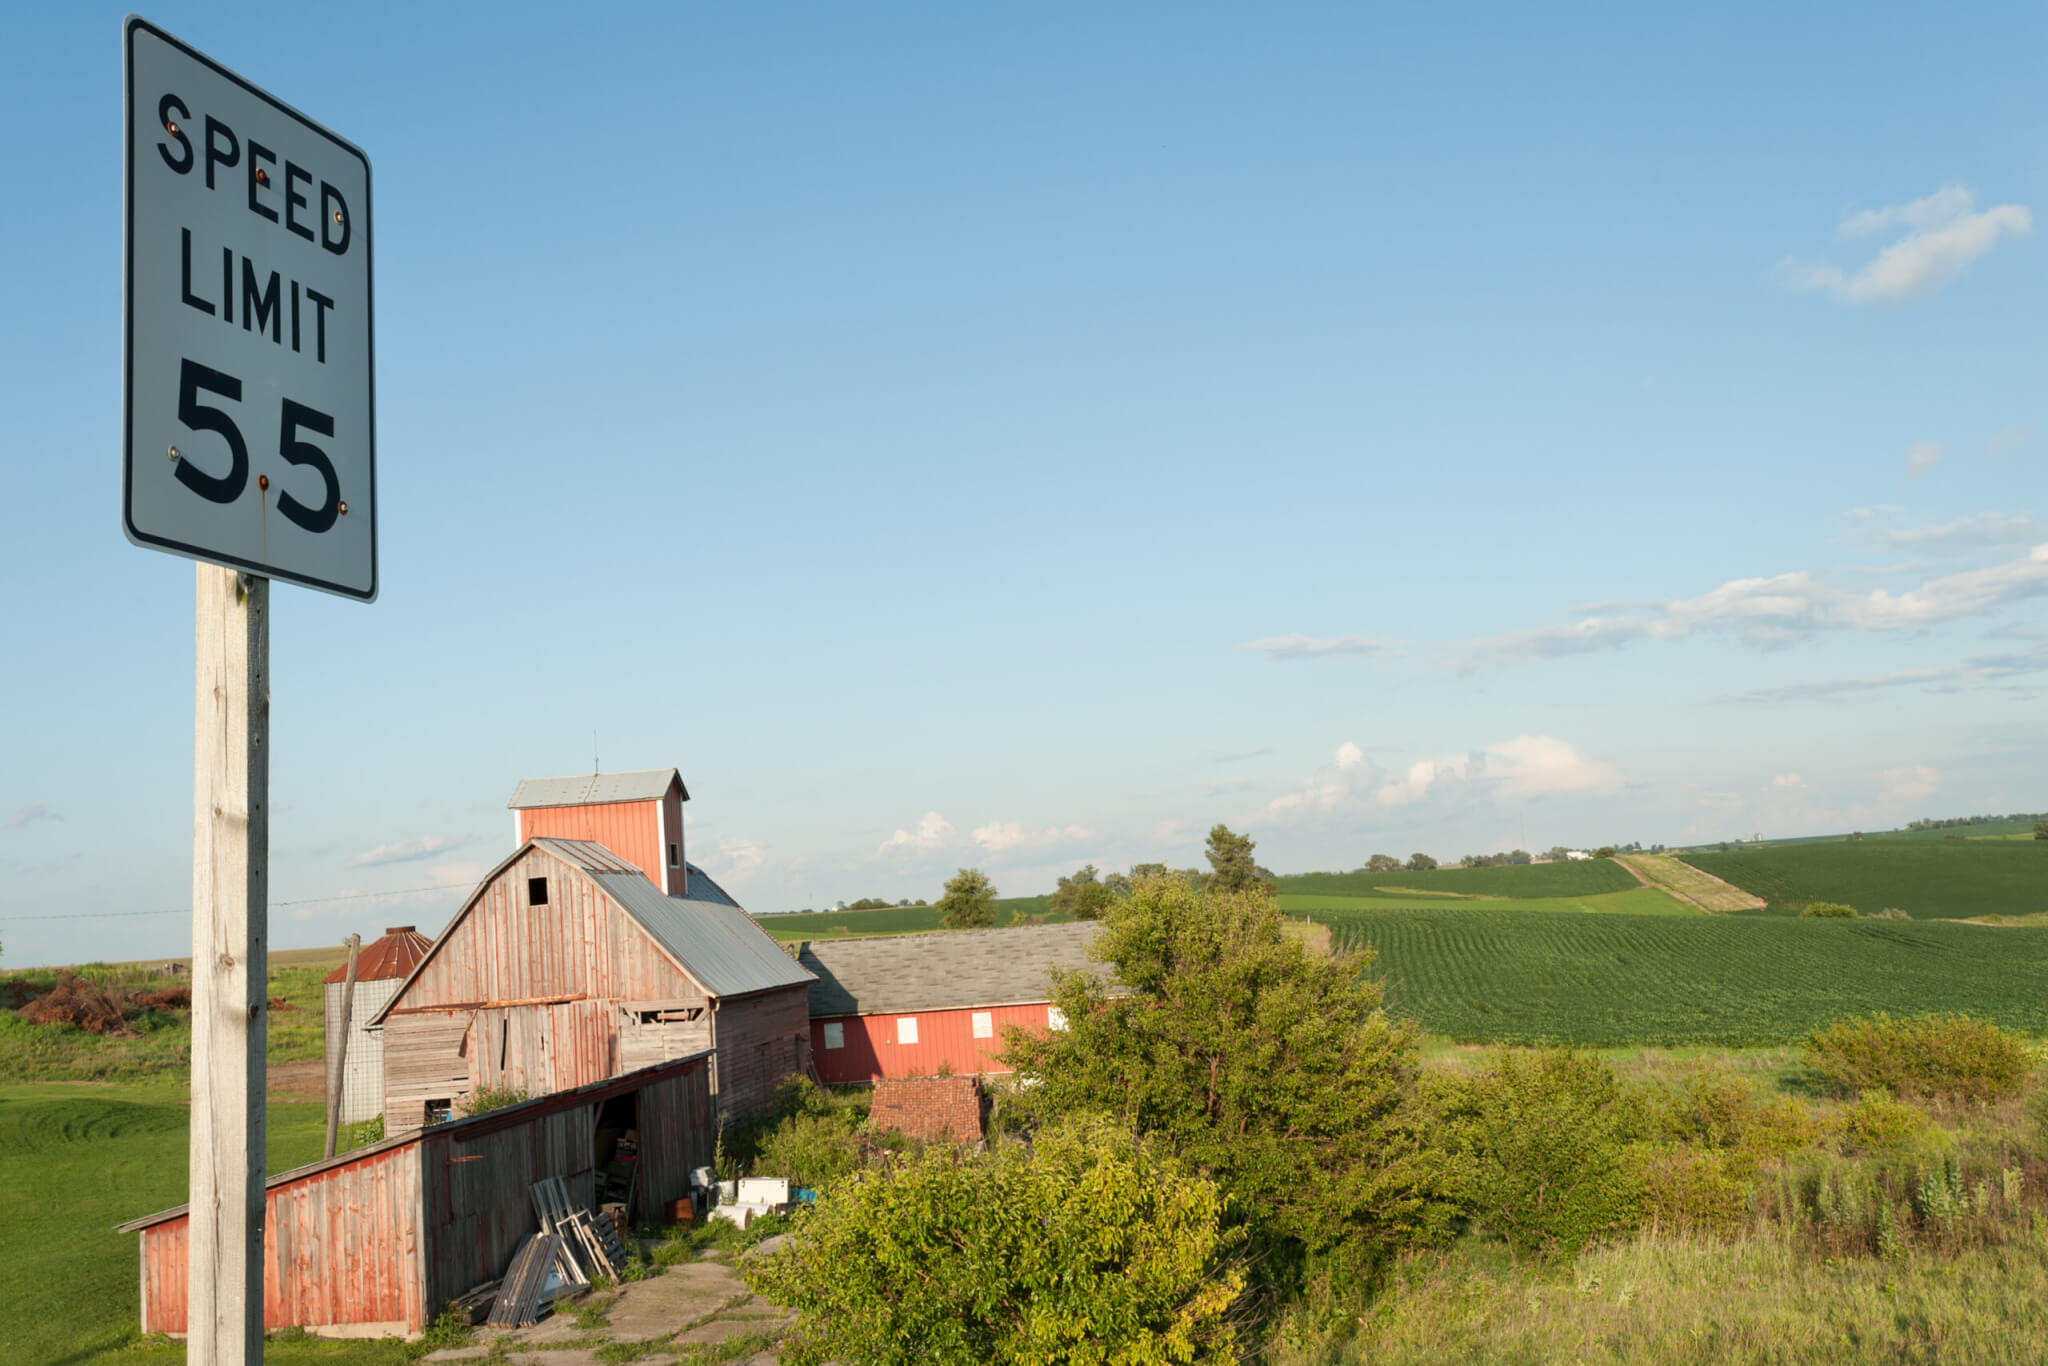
<point x="263" y="483"/>
<point x="174" y="453"/>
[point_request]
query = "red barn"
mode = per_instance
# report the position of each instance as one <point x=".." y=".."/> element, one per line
<point x="907" y="1005"/>
<point x="574" y="961"/>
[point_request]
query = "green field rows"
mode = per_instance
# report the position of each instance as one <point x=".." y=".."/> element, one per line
<point x="1636" y="900"/>
<point x="1015" y="910"/>
<point x="1585" y="877"/>
<point x="1927" y="879"/>
<point x="1482" y="974"/>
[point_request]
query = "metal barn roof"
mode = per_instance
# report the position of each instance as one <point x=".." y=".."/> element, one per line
<point x="709" y="934"/>
<point x="948" y="971"/>
<point x="595" y="789"/>
<point x="395" y="953"/>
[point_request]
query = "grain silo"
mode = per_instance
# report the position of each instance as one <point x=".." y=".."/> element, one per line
<point x="380" y="968"/>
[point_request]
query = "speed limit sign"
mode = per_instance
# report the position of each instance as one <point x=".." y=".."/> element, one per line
<point x="250" y="378"/>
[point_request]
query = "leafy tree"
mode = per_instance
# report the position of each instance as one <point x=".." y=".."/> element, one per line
<point x="1081" y="894"/>
<point x="1142" y="870"/>
<point x="2041" y="830"/>
<point x="1382" y="863"/>
<point x="1269" y="1066"/>
<point x="1420" y="863"/>
<point x="1556" y="853"/>
<point x="1830" y="910"/>
<point x="1230" y="859"/>
<point x="1085" y="1245"/>
<point x="969" y="902"/>
<point x="1518" y="857"/>
<point x="1604" y="851"/>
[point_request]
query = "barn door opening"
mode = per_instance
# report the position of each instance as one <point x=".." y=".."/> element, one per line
<point x="615" y="1155"/>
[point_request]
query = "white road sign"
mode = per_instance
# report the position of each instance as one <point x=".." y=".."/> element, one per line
<point x="251" y="403"/>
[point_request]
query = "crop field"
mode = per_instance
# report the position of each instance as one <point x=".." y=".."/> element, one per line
<point x="1688" y="883"/>
<point x="1927" y="879"/>
<point x="1484" y="974"/>
<point x="1635" y="901"/>
<point x="1017" y="910"/>
<point x="1587" y="877"/>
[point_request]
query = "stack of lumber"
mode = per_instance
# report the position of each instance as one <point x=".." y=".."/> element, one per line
<point x="596" y="1240"/>
<point x="526" y="1282"/>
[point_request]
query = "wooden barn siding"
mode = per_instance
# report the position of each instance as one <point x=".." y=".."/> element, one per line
<point x="478" y="1208"/>
<point x="760" y="1040"/>
<point x="677" y="1132"/>
<point x="339" y="1246"/>
<point x="425" y="1057"/>
<point x="943" y="1037"/>
<point x="632" y="830"/>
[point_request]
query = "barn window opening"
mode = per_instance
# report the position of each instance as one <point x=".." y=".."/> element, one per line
<point x="675" y="855"/>
<point x="835" y="1034"/>
<point x="615" y="1151"/>
<point x="440" y="1111"/>
<point x="671" y="1015"/>
<point x="536" y="891"/>
<point x="906" y="1029"/>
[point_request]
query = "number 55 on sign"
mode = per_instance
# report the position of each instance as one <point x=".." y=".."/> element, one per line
<point x="251" y="403"/>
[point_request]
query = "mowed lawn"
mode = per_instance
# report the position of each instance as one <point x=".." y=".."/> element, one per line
<point x="1484" y="974"/>
<point x="77" y="1159"/>
<point x="1637" y="900"/>
<point x="1928" y="879"/>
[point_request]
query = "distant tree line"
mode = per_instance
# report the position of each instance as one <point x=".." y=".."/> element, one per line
<point x="1955" y="822"/>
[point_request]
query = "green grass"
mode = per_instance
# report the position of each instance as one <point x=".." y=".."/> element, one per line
<point x="78" y="1159"/>
<point x="1481" y="974"/>
<point x="1015" y="910"/>
<point x="1928" y="879"/>
<point x="1636" y="900"/>
<point x="1587" y="877"/>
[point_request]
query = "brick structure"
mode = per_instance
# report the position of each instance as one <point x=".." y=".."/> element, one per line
<point x="929" y="1109"/>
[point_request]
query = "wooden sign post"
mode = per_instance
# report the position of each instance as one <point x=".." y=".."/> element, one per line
<point x="230" y="967"/>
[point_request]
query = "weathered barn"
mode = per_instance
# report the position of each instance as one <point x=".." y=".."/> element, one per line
<point x="908" y="1005"/>
<point x="377" y="1240"/>
<point x="569" y="964"/>
<point x="638" y="816"/>
<point x="380" y="967"/>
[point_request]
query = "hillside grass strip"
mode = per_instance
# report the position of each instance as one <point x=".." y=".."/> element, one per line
<point x="1688" y="883"/>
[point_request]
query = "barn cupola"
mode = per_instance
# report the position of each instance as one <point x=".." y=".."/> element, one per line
<point x="638" y="816"/>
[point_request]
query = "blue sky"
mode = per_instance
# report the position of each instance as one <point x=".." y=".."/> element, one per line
<point x="956" y="437"/>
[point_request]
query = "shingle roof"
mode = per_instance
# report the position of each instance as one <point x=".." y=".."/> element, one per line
<point x="392" y="954"/>
<point x="946" y="971"/>
<point x="706" y="931"/>
<point x="590" y="789"/>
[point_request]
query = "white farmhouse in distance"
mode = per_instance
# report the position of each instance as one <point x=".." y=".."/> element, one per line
<point x="1576" y="855"/>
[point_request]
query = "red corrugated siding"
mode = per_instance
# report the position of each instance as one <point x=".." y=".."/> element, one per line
<point x="943" y="1037"/>
<point x="632" y="830"/>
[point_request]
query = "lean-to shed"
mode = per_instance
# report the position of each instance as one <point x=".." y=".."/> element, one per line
<point x="908" y="1005"/>
<point x="380" y="967"/>
<point x="376" y="1241"/>
<point x="568" y="965"/>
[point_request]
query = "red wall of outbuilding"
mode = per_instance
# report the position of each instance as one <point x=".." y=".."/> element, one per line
<point x="944" y="1037"/>
<point x="632" y="830"/>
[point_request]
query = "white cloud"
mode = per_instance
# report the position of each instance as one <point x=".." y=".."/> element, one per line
<point x="1949" y="678"/>
<point x="1298" y="646"/>
<point x="933" y="832"/>
<point x="1526" y="766"/>
<point x="30" y="814"/>
<point x="1779" y="610"/>
<point x="1922" y="456"/>
<point x="1788" y="780"/>
<point x="1539" y="766"/>
<point x="1943" y="233"/>
<point x="735" y="860"/>
<point x="2009" y="439"/>
<point x="1005" y="837"/>
<point x="1909" y="783"/>
<point x="1962" y="536"/>
<point x="408" y="851"/>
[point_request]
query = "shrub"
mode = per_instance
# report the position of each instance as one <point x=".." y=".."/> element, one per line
<point x="1829" y="910"/>
<point x="485" y="1099"/>
<point x="1891" y="913"/>
<point x="1715" y="1109"/>
<point x="1878" y="1121"/>
<point x="1691" y="1189"/>
<point x="1086" y="1245"/>
<point x="814" y="1140"/>
<point x="1542" y="1140"/>
<point x="1957" y="1057"/>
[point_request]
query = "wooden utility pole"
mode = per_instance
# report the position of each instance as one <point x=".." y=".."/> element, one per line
<point x="334" y="1080"/>
<point x="230" y="967"/>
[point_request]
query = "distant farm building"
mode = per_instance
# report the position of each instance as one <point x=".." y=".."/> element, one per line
<point x="377" y="1241"/>
<point x="381" y="966"/>
<point x="909" y="1005"/>
<point x="595" y="949"/>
